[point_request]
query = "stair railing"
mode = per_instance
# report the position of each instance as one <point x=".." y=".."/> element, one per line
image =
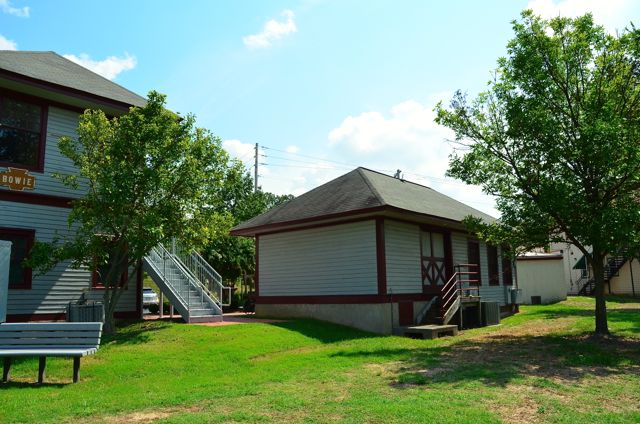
<point x="160" y="255"/>
<point x="207" y="279"/>
<point x="453" y="290"/>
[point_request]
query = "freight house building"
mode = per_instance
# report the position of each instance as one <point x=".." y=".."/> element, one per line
<point x="42" y="95"/>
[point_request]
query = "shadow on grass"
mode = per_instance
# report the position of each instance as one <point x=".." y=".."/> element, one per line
<point x="324" y="332"/>
<point x="496" y="360"/>
<point x="29" y="385"/>
<point x="133" y="332"/>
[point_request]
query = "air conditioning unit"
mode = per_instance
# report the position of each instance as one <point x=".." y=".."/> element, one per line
<point x="490" y="313"/>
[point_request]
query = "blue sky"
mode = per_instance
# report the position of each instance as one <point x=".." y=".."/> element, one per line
<point x="324" y="86"/>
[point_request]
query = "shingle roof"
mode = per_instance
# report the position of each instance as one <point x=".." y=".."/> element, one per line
<point x="360" y="190"/>
<point x="55" y="69"/>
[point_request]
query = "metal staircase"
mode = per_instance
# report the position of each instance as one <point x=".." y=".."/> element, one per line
<point x="192" y="286"/>
<point x="587" y="283"/>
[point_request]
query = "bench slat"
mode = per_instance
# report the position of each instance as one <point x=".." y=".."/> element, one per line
<point x="71" y="352"/>
<point x="26" y="334"/>
<point x="51" y="326"/>
<point x="77" y="341"/>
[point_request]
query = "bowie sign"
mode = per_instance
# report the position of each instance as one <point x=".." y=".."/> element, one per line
<point x="17" y="179"/>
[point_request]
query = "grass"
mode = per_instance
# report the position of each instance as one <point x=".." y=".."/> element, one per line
<point x="538" y="366"/>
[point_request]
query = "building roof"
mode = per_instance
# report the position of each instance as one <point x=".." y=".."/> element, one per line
<point x="51" y="68"/>
<point x="361" y="190"/>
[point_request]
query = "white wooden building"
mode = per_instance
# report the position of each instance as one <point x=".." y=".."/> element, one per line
<point x="42" y="95"/>
<point x="368" y="250"/>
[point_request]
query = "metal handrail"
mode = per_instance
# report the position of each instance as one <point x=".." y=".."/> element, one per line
<point x="162" y="254"/>
<point x="205" y="277"/>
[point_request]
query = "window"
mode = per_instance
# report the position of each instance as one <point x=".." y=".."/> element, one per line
<point x="492" y="263"/>
<point x="473" y="255"/>
<point x="21" y="244"/>
<point x="102" y="270"/>
<point x="507" y="268"/>
<point x="22" y="133"/>
<point x="434" y="271"/>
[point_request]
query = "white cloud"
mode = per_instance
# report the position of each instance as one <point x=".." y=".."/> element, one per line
<point x="6" y="44"/>
<point x="613" y="14"/>
<point x="6" y="7"/>
<point x="272" y="31"/>
<point x="109" y="68"/>
<point x="407" y="139"/>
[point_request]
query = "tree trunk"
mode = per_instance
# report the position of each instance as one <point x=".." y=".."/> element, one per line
<point x="602" y="327"/>
<point x="109" y="326"/>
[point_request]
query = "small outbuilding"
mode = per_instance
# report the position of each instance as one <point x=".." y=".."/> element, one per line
<point x="369" y="251"/>
<point x="542" y="277"/>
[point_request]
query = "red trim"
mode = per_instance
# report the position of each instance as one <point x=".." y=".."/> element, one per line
<point x="405" y="313"/>
<point x="30" y="235"/>
<point x="381" y="258"/>
<point x="42" y="139"/>
<point x="256" y="278"/>
<point x="68" y="91"/>
<point x="320" y="225"/>
<point x="36" y="199"/>
<point x="539" y="258"/>
<point x="62" y="316"/>
<point x="341" y="299"/>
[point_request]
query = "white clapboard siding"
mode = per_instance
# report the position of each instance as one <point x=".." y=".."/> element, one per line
<point x="459" y="248"/>
<point x="402" y="250"/>
<point x="622" y="282"/>
<point x="60" y="122"/>
<point x="50" y="293"/>
<point x="334" y="260"/>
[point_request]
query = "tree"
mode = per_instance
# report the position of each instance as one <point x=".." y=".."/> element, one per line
<point x="556" y="138"/>
<point x="150" y="176"/>
<point x="233" y="256"/>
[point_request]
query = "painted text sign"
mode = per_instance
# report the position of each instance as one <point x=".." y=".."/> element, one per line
<point x="17" y="179"/>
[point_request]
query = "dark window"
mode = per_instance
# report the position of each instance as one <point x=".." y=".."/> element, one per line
<point x="507" y="268"/>
<point x="492" y="263"/>
<point x="473" y="255"/>
<point x="22" y="133"/>
<point x="21" y="244"/>
<point x="96" y="279"/>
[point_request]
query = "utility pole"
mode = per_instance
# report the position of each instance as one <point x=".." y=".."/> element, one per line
<point x="255" y="172"/>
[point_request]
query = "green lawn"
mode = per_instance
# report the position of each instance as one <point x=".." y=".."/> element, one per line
<point x="538" y="366"/>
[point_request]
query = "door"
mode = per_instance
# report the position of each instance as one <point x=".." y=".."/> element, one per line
<point x="434" y="262"/>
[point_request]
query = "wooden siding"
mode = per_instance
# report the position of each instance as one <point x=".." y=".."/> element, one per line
<point x="60" y="123"/>
<point x="621" y="283"/>
<point x="402" y="248"/>
<point x="50" y="293"/>
<point x="487" y="292"/>
<point x="335" y="260"/>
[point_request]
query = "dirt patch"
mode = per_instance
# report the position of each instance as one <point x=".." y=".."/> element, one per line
<point x="142" y="417"/>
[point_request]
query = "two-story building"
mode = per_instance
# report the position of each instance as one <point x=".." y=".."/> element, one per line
<point x="42" y="95"/>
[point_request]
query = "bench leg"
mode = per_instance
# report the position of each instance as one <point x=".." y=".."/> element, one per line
<point x="6" y="370"/>
<point x="76" y="369"/>
<point x="42" y="364"/>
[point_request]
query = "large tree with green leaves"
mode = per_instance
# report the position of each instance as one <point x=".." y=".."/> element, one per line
<point x="556" y="137"/>
<point x="149" y="176"/>
<point x="233" y="256"/>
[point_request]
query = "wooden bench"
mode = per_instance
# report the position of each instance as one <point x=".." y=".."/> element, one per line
<point x="63" y="339"/>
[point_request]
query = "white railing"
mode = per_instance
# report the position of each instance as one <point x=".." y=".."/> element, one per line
<point x="165" y="264"/>
<point x="207" y="278"/>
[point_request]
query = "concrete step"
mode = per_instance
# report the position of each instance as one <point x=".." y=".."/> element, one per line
<point x="427" y="331"/>
<point x="205" y="318"/>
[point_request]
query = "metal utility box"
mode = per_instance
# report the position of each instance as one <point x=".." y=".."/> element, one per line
<point x="89" y="311"/>
<point x="490" y="313"/>
<point x="516" y="296"/>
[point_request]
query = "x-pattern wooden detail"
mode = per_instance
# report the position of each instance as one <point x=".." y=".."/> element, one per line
<point x="433" y="271"/>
